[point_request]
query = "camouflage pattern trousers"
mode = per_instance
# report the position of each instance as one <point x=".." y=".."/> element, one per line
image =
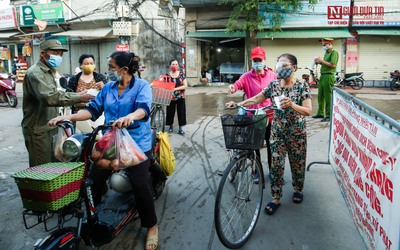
<point x="291" y="141"/>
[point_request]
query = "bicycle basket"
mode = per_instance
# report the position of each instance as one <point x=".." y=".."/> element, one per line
<point x="162" y="90"/>
<point x="244" y="132"/>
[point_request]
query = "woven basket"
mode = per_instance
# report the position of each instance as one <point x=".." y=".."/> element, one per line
<point x="50" y="186"/>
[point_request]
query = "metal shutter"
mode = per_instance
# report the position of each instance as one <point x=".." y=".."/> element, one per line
<point x="378" y="56"/>
<point x="305" y="51"/>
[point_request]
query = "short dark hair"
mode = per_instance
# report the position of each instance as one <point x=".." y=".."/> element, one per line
<point x="83" y="57"/>
<point x="124" y="59"/>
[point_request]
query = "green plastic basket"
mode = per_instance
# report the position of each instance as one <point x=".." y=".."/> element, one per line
<point x="43" y="206"/>
<point x="48" y="187"/>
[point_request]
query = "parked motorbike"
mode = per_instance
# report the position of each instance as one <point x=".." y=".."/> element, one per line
<point x="311" y="79"/>
<point x="395" y="83"/>
<point x="7" y="90"/>
<point x="354" y="80"/>
<point x="97" y="226"/>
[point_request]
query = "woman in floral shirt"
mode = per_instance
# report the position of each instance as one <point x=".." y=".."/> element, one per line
<point x="288" y="133"/>
<point x="178" y="98"/>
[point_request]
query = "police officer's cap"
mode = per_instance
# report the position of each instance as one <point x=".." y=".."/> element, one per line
<point x="52" y="45"/>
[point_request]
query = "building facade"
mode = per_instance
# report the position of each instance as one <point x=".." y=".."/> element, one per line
<point x="87" y="27"/>
<point x="370" y="45"/>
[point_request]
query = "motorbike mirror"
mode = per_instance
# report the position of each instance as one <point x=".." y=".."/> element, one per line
<point x="64" y="82"/>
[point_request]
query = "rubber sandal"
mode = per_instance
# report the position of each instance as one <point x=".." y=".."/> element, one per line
<point x="271" y="207"/>
<point x="152" y="242"/>
<point x="297" y="197"/>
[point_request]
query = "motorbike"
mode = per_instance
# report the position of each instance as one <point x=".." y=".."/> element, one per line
<point x="311" y="79"/>
<point x="97" y="225"/>
<point x="7" y="90"/>
<point x="354" y="80"/>
<point x="395" y="83"/>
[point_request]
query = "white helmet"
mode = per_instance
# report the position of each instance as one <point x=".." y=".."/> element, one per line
<point x="120" y="182"/>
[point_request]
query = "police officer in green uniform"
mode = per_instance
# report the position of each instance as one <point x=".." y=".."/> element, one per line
<point x="41" y="100"/>
<point x="327" y="79"/>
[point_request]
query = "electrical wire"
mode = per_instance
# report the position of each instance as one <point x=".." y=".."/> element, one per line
<point x="134" y="7"/>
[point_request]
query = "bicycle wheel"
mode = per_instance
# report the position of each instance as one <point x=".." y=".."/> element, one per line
<point x="238" y="202"/>
<point x="158" y="119"/>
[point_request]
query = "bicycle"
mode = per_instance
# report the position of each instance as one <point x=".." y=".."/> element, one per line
<point x="162" y="90"/>
<point x="239" y="198"/>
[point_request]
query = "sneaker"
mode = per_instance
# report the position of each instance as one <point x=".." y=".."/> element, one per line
<point x="255" y="177"/>
<point x="181" y="132"/>
<point x="170" y="130"/>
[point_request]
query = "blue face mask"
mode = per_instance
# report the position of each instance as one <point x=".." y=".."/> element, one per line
<point x="54" y="61"/>
<point x="325" y="48"/>
<point x="257" y="65"/>
<point x="113" y="75"/>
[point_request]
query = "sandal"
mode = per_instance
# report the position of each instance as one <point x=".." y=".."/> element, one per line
<point x="152" y="242"/>
<point x="271" y="207"/>
<point x="297" y="197"/>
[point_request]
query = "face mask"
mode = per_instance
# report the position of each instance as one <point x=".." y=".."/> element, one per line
<point x="54" y="61"/>
<point x="257" y="65"/>
<point x="325" y="48"/>
<point x="113" y="75"/>
<point x="87" y="69"/>
<point x="174" y="68"/>
<point x="284" y="73"/>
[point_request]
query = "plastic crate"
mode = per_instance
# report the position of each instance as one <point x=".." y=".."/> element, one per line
<point x="50" y="186"/>
<point x="244" y="131"/>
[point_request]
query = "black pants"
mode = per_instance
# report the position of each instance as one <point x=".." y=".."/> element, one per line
<point x="269" y="157"/>
<point x="180" y="107"/>
<point x="139" y="177"/>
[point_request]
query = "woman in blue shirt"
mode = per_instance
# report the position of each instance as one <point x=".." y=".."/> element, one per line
<point x="127" y="101"/>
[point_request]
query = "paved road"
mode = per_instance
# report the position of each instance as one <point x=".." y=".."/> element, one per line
<point x="185" y="209"/>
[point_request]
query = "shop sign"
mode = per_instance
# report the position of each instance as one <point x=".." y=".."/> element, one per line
<point x="52" y="13"/>
<point x="352" y="54"/>
<point x="122" y="47"/>
<point x="8" y="18"/>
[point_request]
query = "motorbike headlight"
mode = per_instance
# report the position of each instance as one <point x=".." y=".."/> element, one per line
<point x="72" y="147"/>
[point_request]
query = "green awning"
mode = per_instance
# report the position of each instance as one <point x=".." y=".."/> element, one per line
<point x="215" y="34"/>
<point x="314" y="33"/>
<point x="379" y="32"/>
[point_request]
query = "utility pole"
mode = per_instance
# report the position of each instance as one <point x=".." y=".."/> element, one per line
<point x="123" y="27"/>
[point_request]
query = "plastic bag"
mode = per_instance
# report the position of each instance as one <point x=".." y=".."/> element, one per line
<point x="129" y="153"/>
<point x="163" y="82"/>
<point x="104" y="151"/>
<point x="117" y="150"/>
<point x="58" y="141"/>
<point x="166" y="155"/>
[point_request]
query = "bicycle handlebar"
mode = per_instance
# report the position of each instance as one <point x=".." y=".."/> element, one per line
<point x="235" y="106"/>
